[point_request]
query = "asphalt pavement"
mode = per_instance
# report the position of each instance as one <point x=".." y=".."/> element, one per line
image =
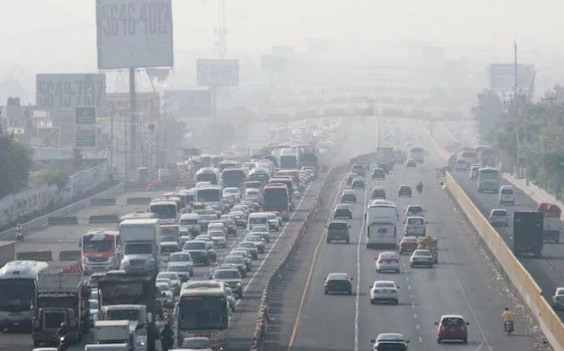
<point x="548" y="271"/>
<point x="463" y="282"/>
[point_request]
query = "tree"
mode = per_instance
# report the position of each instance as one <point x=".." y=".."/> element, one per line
<point x="488" y="114"/>
<point x="15" y="163"/>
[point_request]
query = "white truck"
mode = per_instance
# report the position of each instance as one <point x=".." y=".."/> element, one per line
<point x="551" y="224"/>
<point x="140" y="240"/>
<point x="135" y="314"/>
<point x="112" y="332"/>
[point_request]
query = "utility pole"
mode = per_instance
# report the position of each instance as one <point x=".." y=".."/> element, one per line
<point x="516" y="114"/>
<point x="221" y="33"/>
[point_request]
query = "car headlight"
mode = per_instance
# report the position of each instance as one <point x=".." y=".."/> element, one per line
<point x="239" y="284"/>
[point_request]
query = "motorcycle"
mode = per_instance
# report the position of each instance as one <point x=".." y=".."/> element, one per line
<point x="508" y="326"/>
<point x="63" y="343"/>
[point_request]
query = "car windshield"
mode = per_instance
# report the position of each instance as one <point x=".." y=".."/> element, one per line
<point x="234" y="259"/>
<point x="415" y="221"/>
<point x="253" y="238"/>
<point x="195" y="245"/>
<point x="384" y="285"/>
<point x="247" y="245"/>
<point x="226" y="274"/>
<point x="391" y="346"/>
<point x="415" y="209"/>
<point x="342" y="207"/>
<point x="337" y="226"/>
<point x="178" y="268"/>
<point x="337" y="276"/>
<point x="507" y="191"/>
<point x="409" y="239"/>
<point x="259" y="229"/>
<point x="388" y="256"/>
<point x="230" y="190"/>
<point x="216" y="234"/>
<point x="272" y="216"/>
<point x="169" y="276"/>
<point x="499" y="213"/>
<point x="196" y="344"/>
<point x="93" y="304"/>
<point x="239" y="253"/>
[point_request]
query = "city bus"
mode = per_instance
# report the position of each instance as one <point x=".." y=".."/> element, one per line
<point x="100" y="250"/>
<point x="18" y="293"/>
<point x="208" y="195"/>
<point x="207" y="174"/>
<point x="223" y="165"/>
<point x="288" y="159"/>
<point x="233" y="177"/>
<point x="488" y="180"/>
<point x="203" y="311"/>
<point x="138" y="215"/>
<point x="167" y="212"/>
<point x="275" y="198"/>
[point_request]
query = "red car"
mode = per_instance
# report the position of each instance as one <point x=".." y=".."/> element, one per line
<point x="452" y="327"/>
<point x="407" y="245"/>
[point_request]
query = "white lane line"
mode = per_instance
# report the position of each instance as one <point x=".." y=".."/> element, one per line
<point x="417" y="326"/>
<point x="467" y="302"/>
<point x="409" y="287"/>
<point x="415" y="316"/>
<point x="479" y="347"/>
<point x="420" y="339"/>
<point x="412" y="304"/>
<point x="280" y="234"/>
<point x="357" y="301"/>
<point x="407" y="278"/>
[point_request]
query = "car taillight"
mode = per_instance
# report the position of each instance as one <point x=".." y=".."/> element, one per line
<point x="379" y="261"/>
<point x="442" y="327"/>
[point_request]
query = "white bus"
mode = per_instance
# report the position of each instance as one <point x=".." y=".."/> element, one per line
<point x="208" y="195"/>
<point x="18" y="293"/>
<point x="417" y="154"/>
<point x="382" y="218"/>
<point x="203" y="311"/>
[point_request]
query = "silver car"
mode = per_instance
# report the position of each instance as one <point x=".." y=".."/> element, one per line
<point x="250" y="246"/>
<point x="257" y="240"/>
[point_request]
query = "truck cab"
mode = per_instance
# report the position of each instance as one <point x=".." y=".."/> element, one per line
<point x="141" y="245"/>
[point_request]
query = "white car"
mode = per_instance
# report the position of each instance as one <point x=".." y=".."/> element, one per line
<point x="273" y="222"/>
<point x="558" y="299"/>
<point x="231" y="193"/>
<point x="414" y="210"/>
<point x="390" y="341"/>
<point x="499" y="217"/>
<point x="421" y="257"/>
<point x="218" y="238"/>
<point x="415" y="226"/>
<point x="384" y="291"/>
<point x="388" y="261"/>
<point x="231" y="300"/>
<point x="174" y="280"/>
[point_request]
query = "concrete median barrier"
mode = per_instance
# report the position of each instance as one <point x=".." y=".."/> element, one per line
<point x="550" y="323"/>
<point x="135" y="187"/>
<point x="62" y="220"/>
<point x="139" y="200"/>
<point x="70" y="255"/>
<point x="43" y="256"/>
<point x="103" y="201"/>
<point x="105" y="218"/>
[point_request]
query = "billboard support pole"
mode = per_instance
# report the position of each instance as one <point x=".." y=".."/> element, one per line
<point x="133" y="114"/>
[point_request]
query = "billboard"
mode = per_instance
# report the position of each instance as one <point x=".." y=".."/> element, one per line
<point x="273" y="64"/>
<point x="502" y="76"/>
<point x="69" y="90"/>
<point x="49" y="137"/>
<point x="134" y="33"/>
<point x="217" y="72"/>
<point x="189" y="103"/>
<point x="148" y="107"/>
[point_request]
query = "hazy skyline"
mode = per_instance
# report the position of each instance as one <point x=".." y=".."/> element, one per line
<point x="45" y="36"/>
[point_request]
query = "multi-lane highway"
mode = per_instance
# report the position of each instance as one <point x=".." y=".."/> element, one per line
<point x="463" y="282"/>
<point x="547" y="271"/>
<point x="66" y="237"/>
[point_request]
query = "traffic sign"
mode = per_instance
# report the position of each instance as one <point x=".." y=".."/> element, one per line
<point x="502" y="76"/>
<point x="49" y="136"/>
<point x="85" y="136"/>
<point x="217" y="72"/>
<point x="85" y="115"/>
<point x="134" y="33"/>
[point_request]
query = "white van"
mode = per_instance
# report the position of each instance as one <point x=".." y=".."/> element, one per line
<point x="189" y="222"/>
<point x="506" y="195"/>
<point x="257" y="218"/>
<point x="382" y="219"/>
<point x="415" y="226"/>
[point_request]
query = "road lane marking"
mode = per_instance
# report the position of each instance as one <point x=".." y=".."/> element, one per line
<point x="357" y="299"/>
<point x="310" y="273"/>
<point x="465" y="296"/>
<point x="280" y="234"/>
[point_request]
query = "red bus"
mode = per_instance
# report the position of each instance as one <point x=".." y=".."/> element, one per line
<point x="275" y="198"/>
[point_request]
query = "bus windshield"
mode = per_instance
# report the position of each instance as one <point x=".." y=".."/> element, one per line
<point x="203" y="313"/>
<point x="275" y="198"/>
<point x="207" y="177"/>
<point x="17" y="295"/>
<point x="164" y="211"/>
<point x="233" y="177"/>
<point x="288" y="162"/>
<point x="208" y="195"/>
<point x="488" y="174"/>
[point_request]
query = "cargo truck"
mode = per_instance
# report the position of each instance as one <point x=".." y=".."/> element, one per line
<point x="140" y="240"/>
<point x="528" y="233"/>
<point x="551" y="221"/>
<point x="386" y="155"/>
<point x="61" y="297"/>
<point x="123" y="293"/>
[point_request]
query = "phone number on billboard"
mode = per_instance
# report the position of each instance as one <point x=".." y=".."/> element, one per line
<point x="70" y="94"/>
<point x="153" y="19"/>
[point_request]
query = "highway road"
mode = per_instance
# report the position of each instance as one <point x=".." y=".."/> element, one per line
<point x="547" y="271"/>
<point x="66" y="237"/>
<point x="462" y="283"/>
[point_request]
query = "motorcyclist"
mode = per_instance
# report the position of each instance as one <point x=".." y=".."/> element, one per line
<point x="420" y="187"/>
<point x="19" y="231"/>
<point x="167" y="337"/>
<point x="63" y="330"/>
<point x="508" y="316"/>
